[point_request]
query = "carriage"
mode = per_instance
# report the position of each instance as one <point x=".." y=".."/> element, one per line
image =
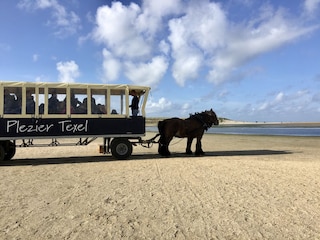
<point x="85" y="112"/>
<point x="80" y="112"/>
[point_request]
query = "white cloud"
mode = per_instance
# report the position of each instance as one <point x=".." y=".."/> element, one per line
<point x="162" y="8"/>
<point x="316" y="97"/>
<point x="154" y="11"/>
<point x="158" y="107"/>
<point x="147" y="73"/>
<point x="200" y="36"/>
<point x="192" y="38"/>
<point x="32" y="5"/>
<point x="111" y="66"/>
<point x="311" y="5"/>
<point x="287" y="103"/>
<point x="118" y="29"/>
<point x="205" y="37"/>
<point x="66" y="23"/>
<point x="186" y="67"/>
<point x="163" y="107"/>
<point x="128" y="34"/>
<point x="279" y="97"/>
<point x="68" y="71"/>
<point x="245" y="43"/>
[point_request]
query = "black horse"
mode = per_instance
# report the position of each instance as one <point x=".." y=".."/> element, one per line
<point x="192" y="127"/>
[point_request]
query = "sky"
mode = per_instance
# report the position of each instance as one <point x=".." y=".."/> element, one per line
<point x="248" y="60"/>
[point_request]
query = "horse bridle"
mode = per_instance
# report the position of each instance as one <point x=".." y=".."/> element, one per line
<point x="205" y="125"/>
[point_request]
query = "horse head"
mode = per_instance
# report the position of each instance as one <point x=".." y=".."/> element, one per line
<point x="212" y="117"/>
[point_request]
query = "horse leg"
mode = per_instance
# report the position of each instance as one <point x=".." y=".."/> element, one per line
<point x="167" y="152"/>
<point x="189" y="142"/>
<point x="199" y="150"/>
<point x="163" y="148"/>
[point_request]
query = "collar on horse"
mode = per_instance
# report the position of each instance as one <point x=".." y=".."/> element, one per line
<point x="201" y="118"/>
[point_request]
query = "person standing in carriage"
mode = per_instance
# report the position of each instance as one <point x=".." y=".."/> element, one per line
<point x="134" y="103"/>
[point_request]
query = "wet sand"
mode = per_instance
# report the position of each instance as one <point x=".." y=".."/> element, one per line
<point x="245" y="187"/>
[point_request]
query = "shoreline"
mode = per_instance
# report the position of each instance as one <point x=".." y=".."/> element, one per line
<point x="270" y="124"/>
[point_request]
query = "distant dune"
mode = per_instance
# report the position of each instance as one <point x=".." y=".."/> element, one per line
<point x="229" y="122"/>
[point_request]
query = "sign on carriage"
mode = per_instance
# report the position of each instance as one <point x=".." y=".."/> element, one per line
<point x="64" y="126"/>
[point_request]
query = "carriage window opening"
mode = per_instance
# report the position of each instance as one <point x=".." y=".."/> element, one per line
<point x="12" y="100"/>
<point x="117" y="101"/>
<point x="77" y="101"/>
<point x="57" y="101"/>
<point x="98" y="102"/>
<point x="30" y="101"/>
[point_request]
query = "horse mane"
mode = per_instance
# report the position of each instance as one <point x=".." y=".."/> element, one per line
<point x="197" y="114"/>
<point x="203" y="118"/>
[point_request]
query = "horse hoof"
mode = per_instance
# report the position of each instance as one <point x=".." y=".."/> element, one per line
<point x="189" y="152"/>
<point x="199" y="154"/>
<point x="164" y="153"/>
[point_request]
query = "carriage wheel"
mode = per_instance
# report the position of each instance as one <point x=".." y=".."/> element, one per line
<point x="2" y="153"/>
<point x="10" y="151"/>
<point x="121" y="148"/>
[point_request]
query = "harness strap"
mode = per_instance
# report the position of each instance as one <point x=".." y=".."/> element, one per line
<point x="206" y="126"/>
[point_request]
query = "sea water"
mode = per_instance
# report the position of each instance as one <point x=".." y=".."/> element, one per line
<point x="273" y="131"/>
<point x="258" y="130"/>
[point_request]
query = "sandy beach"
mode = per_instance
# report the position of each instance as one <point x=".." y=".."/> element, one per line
<point x="245" y="187"/>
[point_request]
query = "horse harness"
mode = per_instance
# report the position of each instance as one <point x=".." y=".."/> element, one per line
<point x="199" y="117"/>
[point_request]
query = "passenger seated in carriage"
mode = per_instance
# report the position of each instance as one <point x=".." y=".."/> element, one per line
<point x="53" y="103"/>
<point x="30" y="103"/>
<point x="11" y="103"/>
<point x="95" y="109"/>
<point x="75" y="103"/>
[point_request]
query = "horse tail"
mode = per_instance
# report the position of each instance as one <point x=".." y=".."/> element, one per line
<point x="162" y="132"/>
<point x="161" y="125"/>
<point x="162" y="148"/>
<point x="167" y="130"/>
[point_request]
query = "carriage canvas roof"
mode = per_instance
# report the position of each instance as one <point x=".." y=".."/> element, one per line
<point x="139" y="89"/>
